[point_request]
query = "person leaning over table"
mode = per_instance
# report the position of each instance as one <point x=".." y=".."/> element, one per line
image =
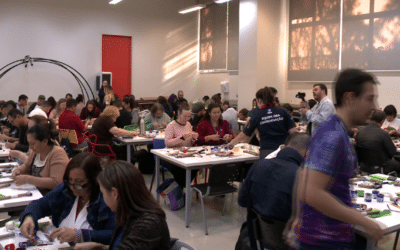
<point x="33" y="120"/>
<point x="179" y="134"/>
<point x="46" y="162"/>
<point x="199" y="112"/>
<point x="157" y="118"/>
<point x="61" y="106"/>
<point x="90" y="112"/>
<point x="273" y="123"/>
<point x="130" y="105"/>
<point x="212" y="129"/>
<point x="17" y="119"/>
<point x="141" y="222"/>
<point x="105" y="129"/>
<point x="76" y="206"/>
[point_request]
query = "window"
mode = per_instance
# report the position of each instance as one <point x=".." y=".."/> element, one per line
<point x="219" y="37"/>
<point x="369" y="37"/>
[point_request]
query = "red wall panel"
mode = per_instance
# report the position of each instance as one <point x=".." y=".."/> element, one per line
<point x="117" y="58"/>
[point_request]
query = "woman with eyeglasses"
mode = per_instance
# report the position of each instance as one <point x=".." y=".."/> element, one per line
<point x="140" y="220"/>
<point x="76" y="206"/>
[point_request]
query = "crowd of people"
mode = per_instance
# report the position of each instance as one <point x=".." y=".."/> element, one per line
<point x="300" y="181"/>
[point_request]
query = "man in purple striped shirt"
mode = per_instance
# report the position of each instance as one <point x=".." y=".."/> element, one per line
<point x="325" y="216"/>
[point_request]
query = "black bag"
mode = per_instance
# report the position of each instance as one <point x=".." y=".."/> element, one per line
<point x="145" y="160"/>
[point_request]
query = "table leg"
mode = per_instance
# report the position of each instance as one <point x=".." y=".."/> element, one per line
<point x="128" y="155"/>
<point x="157" y="172"/>
<point x="371" y="244"/>
<point x="188" y="200"/>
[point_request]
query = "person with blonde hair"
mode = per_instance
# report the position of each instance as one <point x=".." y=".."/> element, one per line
<point x="105" y="129"/>
<point x="60" y="107"/>
<point x="109" y="95"/>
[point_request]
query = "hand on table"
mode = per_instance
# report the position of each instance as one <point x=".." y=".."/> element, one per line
<point x="214" y="137"/>
<point x="195" y="135"/>
<point x="3" y="137"/>
<point x="156" y="125"/>
<point x="10" y="145"/>
<point x="16" y="172"/>
<point x="28" y="228"/>
<point x="373" y="229"/>
<point x="187" y="136"/>
<point x="14" y="154"/>
<point x="227" y="137"/>
<point x="21" y="179"/>
<point x="64" y="234"/>
<point x="165" y="124"/>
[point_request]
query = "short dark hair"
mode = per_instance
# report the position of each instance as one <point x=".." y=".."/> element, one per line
<point x="9" y="105"/>
<point x="265" y="95"/>
<point x="205" y="98"/>
<point x="244" y="111"/>
<point x="390" y="110"/>
<point x="209" y="109"/>
<point x="311" y="103"/>
<point x="298" y="141"/>
<point x="69" y="94"/>
<point x="134" y="198"/>
<point x="46" y="104"/>
<point x="90" y="165"/>
<point x="71" y="102"/>
<point x="22" y="97"/>
<point x="79" y="98"/>
<point x="273" y="90"/>
<point x="43" y="131"/>
<point x="162" y="100"/>
<point x="351" y="80"/>
<point x="288" y="107"/>
<point x="322" y="87"/>
<point x="226" y="103"/>
<point x="182" y="107"/>
<point x="14" y="112"/>
<point x="156" y="107"/>
<point x="118" y="104"/>
<point x="378" y="116"/>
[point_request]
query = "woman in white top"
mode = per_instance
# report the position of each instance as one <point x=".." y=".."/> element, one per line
<point x="76" y="206"/>
<point x="60" y="107"/>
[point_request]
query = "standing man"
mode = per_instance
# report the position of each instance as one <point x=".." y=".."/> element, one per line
<point x="180" y="98"/>
<point x="326" y="216"/>
<point x="22" y="102"/>
<point x="321" y="111"/>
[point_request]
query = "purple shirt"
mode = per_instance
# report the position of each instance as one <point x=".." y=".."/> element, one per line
<point x="330" y="152"/>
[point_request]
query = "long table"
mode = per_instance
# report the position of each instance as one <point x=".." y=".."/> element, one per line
<point x="190" y="163"/>
<point x="389" y="224"/>
<point x="136" y="140"/>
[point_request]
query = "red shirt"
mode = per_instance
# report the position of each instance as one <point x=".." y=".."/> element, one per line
<point x="205" y="128"/>
<point x="69" y="120"/>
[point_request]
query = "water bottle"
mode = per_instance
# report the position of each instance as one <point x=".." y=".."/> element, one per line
<point x="142" y="127"/>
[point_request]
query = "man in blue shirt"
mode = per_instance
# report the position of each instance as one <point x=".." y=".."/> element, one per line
<point x="321" y="112"/>
<point x="268" y="185"/>
<point x="325" y="213"/>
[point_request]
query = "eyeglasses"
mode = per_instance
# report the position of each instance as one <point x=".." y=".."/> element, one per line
<point x="76" y="186"/>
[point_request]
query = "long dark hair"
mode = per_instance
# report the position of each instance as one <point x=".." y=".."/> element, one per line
<point x="42" y="131"/>
<point x="92" y="113"/>
<point x="209" y="109"/>
<point x="129" y="100"/>
<point x="134" y="198"/>
<point x="52" y="101"/>
<point x="265" y="95"/>
<point x="90" y="165"/>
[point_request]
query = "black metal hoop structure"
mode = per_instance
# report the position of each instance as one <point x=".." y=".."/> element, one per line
<point x="30" y="60"/>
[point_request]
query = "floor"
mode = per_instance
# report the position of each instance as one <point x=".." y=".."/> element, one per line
<point x="223" y="230"/>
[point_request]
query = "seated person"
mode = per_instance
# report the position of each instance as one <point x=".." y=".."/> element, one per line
<point x="225" y="106"/>
<point x="212" y="129"/>
<point x="46" y="162"/>
<point x="372" y="136"/>
<point x="273" y="178"/>
<point x="167" y="107"/>
<point x="60" y="107"/>
<point x="199" y="112"/>
<point x="90" y="112"/>
<point x="391" y="123"/>
<point x="140" y="220"/>
<point x="105" y="129"/>
<point x="231" y="116"/>
<point x="125" y="117"/>
<point x="17" y="119"/>
<point x="157" y="118"/>
<point x="76" y="206"/>
<point x="43" y="109"/>
<point x="69" y="120"/>
<point x="289" y="108"/>
<point x="130" y="105"/>
<point x="10" y="132"/>
<point x="242" y="115"/>
<point x="178" y="134"/>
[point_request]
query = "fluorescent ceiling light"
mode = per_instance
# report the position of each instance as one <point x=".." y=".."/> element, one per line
<point x="192" y="8"/>
<point x="114" y="1"/>
<point x="221" y="1"/>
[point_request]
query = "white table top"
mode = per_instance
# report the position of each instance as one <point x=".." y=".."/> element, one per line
<point x="241" y="122"/>
<point x="388" y="223"/>
<point x="4" y="152"/>
<point x="138" y="139"/>
<point x="191" y="162"/>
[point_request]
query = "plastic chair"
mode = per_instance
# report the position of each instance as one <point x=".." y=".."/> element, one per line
<point x="269" y="232"/>
<point x="72" y="137"/>
<point x="180" y="245"/>
<point x="101" y="151"/>
<point x="158" y="144"/>
<point x="370" y="160"/>
<point x="220" y="182"/>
